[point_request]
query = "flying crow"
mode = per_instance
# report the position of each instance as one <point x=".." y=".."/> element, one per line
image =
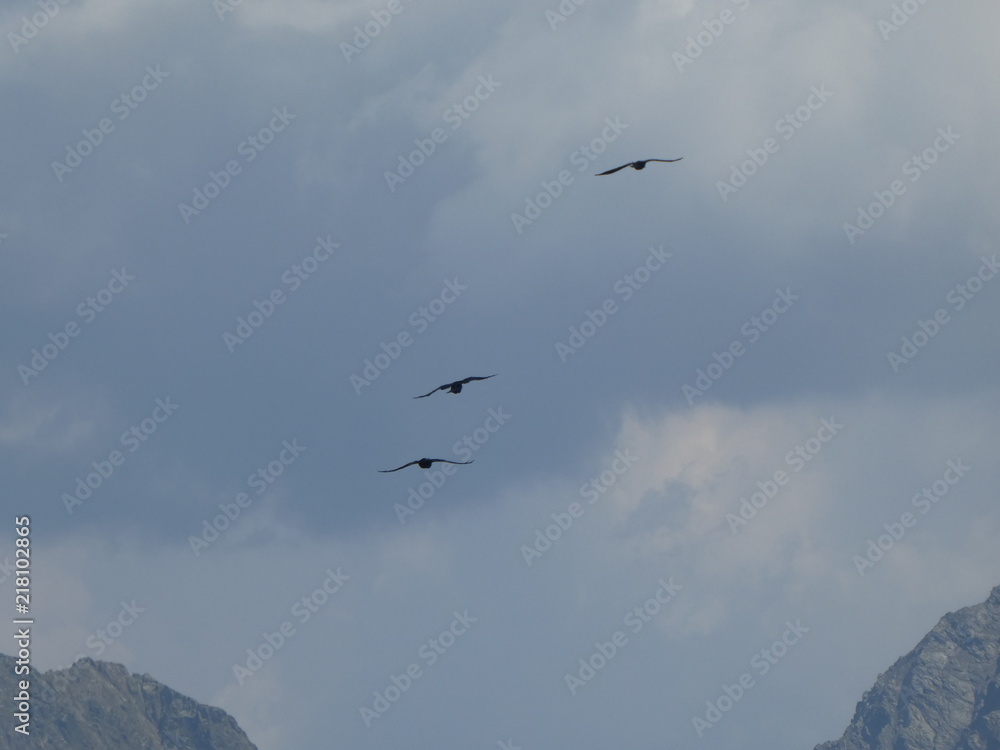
<point x="455" y="387"/>
<point x="424" y="463"/>
<point x="636" y="165"/>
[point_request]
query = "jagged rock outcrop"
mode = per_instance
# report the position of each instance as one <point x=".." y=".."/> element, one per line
<point x="943" y="695"/>
<point x="97" y="705"/>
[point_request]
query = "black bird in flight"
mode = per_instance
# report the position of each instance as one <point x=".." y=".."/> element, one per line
<point x="424" y="463"/>
<point x="636" y="165"/>
<point x="455" y="387"/>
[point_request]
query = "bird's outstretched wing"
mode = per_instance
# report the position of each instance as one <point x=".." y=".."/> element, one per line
<point x="446" y="461"/>
<point x="389" y="471"/>
<point x="641" y="164"/>
<point x="612" y="171"/>
<point x="439" y="388"/>
<point x="470" y="379"/>
<point x="446" y="386"/>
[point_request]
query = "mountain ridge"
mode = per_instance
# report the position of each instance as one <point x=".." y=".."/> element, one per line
<point x="96" y="705"/>
<point x="942" y="695"/>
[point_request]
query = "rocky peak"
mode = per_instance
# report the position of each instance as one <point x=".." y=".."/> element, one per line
<point x="95" y="705"/>
<point x="943" y="695"/>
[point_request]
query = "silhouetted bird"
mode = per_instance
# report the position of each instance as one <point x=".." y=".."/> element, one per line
<point x="636" y="165"/>
<point x="425" y="463"/>
<point x="455" y="387"/>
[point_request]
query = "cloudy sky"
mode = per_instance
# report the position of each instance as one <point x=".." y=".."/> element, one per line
<point x="740" y="451"/>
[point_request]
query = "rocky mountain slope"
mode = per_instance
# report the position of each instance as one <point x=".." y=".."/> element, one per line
<point x="97" y="705"/>
<point x="943" y="695"/>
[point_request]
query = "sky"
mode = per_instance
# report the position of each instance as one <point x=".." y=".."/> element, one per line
<point x="739" y="452"/>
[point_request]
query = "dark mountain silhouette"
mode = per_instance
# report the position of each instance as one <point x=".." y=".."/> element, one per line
<point x="943" y="695"/>
<point x="97" y="705"/>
